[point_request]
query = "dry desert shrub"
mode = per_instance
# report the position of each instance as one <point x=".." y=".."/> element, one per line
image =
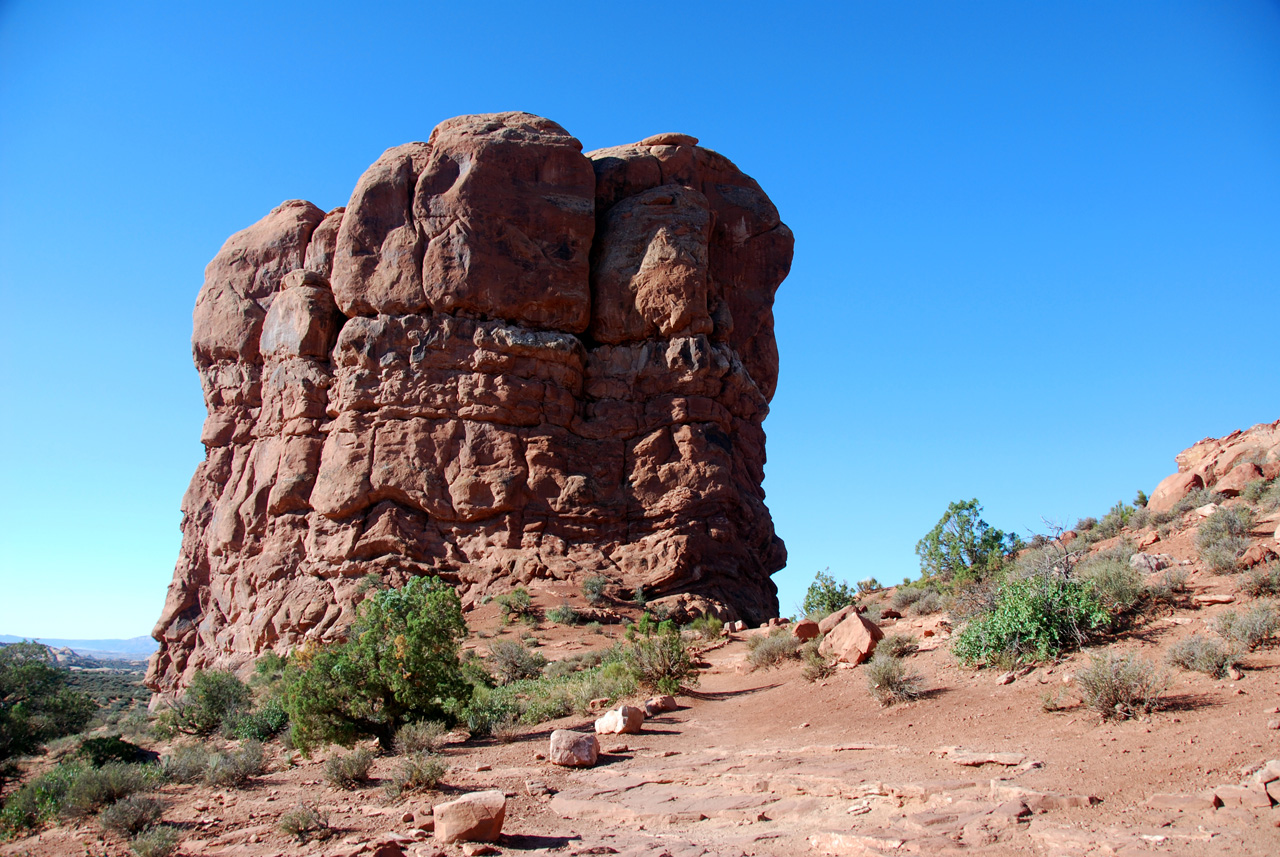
<point x="234" y="768"/>
<point x="891" y="681"/>
<point x="816" y="667"/>
<point x="1262" y="581"/>
<point x="1201" y="654"/>
<point x="423" y="736"/>
<point x="510" y="661"/>
<point x="349" y="770"/>
<point x="132" y="815"/>
<point x="898" y="645"/>
<point x="770" y="651"/>
<point x="416" y="772"/>
<point x="1223" y="537"/>
<point x="1248" y="631"/>
<point x="158" y="841"/>
<point x="305" y="823"/>
<point x="1121" y="686"/>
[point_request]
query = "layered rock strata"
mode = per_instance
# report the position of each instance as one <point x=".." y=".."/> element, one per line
<point x="502" y="360"/>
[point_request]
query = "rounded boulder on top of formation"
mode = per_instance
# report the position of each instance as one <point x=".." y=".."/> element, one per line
<point x="502" y="360"/>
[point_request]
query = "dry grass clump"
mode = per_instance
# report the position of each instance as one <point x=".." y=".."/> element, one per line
<point x="891" y="681"/>
<point x="349" y="770"/>
<point x="1250" y="630"/>
<point x="233" y="768"/>
<point x="423" y="736"/>
<point x="510" y="661"/>
<point x="416" y="772"/>
<point x="306" y="824"/>
<point x="131" y="815"/>
<point x="1121" y="686"/>
<point x="1201" y="654"/>
<point x="898" y="645"/>
<point x="1223" y="537"/>
<point x="770" y="651"/>
<point x="158" y="841"/>
<point x="1262" y="581"/>
<point x="816" y="667"/>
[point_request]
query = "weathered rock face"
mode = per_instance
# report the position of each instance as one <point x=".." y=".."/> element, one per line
<point x="1224" y="465"/>
<point x="502" y="360"/>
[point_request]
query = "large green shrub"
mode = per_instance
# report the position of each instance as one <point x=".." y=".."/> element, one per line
<point x="962" y="546"/>
<point x="214" y="699"/>
<point x="399" y="664"/>
<point x="35" y="702"/>
<point x="1033" y="618"/>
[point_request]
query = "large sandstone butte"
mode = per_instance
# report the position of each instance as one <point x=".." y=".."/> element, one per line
<point x="503" y="360"/>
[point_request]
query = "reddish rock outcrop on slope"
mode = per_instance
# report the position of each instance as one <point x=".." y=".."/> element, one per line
<point x="1225" y="465"/>
<point x="503" y="360"/>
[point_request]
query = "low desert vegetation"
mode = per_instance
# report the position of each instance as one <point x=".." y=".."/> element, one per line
<point x="160" y="840"/>
<point x="349" y="771"/>
<point x="131" y="815"/>
<point x="306" y="824"/>
<point x="765" y="651"/>
<point x="416" y="772"/>
<point x="890" y="680"/>
<point x="73" y="790"/>
<point x="1263" y="493"/>
<point x="816" y="667"/>
<point x="565" y="614"/>
<point x="1223" y="537"/>
<point x="423" y="736"/>
<point x="1250" y="630"/>
<point x="36" y="703"/>
<point x="1262" y="581"/>
<point x="517" y="604"/>
<point x="595" y="589"/>
<point x="1201" y="654"/>
<point x="1033" y="618"/>
<point x="1121" y="686"/>
<point x="511" y="661"/>
<point x="230" y="767"/>
<point x="898" y="645"/>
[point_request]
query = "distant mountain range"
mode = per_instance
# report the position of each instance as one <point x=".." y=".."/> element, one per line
<point x="132" y="649"/>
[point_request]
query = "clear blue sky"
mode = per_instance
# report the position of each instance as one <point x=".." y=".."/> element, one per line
<point x="1036" y="244"/>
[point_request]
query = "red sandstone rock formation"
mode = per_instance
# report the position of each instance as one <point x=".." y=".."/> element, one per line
<point x="503" y="360"/>
<point x="1225" y="465"/>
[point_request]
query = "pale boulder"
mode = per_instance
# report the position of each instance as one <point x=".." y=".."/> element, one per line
<point x="475" y="817"/>
<point x="625" y="719"/>
<point x="853" y="641"/>
<point x="573" y="749"/>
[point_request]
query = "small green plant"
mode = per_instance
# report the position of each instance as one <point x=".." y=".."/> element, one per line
<point x="1201" y="654"/>
<point x="131" y="815"/>
<point x="1051" y="701"/>
<point x="1223" y="537"/>
<point x="158" y="841"/>
<point x="424" y="736"/>
<point x="261" y="724"/>
<point x="1250" y="630"/>
<point x="517" y="604"/>
<point x="890" y="680"/>
<point x="1140" y="500"/>
<point x="1121" y="686"/>
<point x="593" y="628"/>
<point x="510" y="661"/>
<point x="565" y="614"/>
<point x="898" y="645"/>
<point x="233" y="768"/>
<point x="348" y="770"/>
<point x="416" y="772"/>
<point x="868" y="586"/>
<point x="639" y="597"/>
<point x="764" y="652"/>
<point x="825" y="596"/>
<point x="1262" y="581"/>
<point x="306" y="824"/>
<point x="595" y="588"/>
<point x="1033" y="618"/>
